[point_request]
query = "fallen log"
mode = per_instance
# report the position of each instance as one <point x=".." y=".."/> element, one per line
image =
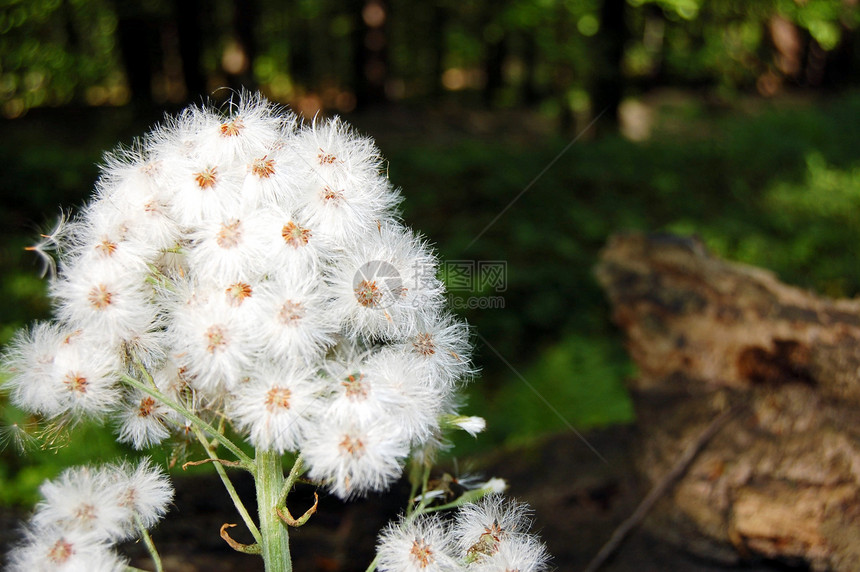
<point x="781" y="480"/>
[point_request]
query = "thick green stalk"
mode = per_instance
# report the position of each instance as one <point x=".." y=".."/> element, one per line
<point x="275" y="537"/>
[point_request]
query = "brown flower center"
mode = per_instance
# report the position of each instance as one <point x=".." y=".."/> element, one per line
<point x="291" y="312"/>
<point x="61" y="551"/>
<point x="150" y="168"/>
<point x="230" y="234"/>
<point x="352" y="446"/>
<point x="355" y="389"/>
<point x="488" y="542"/>
<point x="330" y="195"/>
<point x="326" y="158"/>
<point x="100" y="297"/>
<point x="106" y="247"/>
<point x="421" y="553"/>
<point x="206" y="178"/>
<point x="278" y="398"/>
<point x="236" y="293"/>
<point x="295" y="235"/>
<point x="368" y="293"/>
<point x="85" y="512"/>
<point x="424" y="345"/>
<point x="147" y="406"/>
<point x="216" y="339"/>
<point x="76" y="382"/>
<point x="232" y="127"/>
<point x="263" y="167"/>
<point x="129" y="498"/>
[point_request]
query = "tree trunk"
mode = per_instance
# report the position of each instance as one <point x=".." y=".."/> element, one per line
<point x="529" y="91"/>
<point x="370" y="52"/>
<point x="440" y="24"/>
<point x="563" y="72"/>
<point x="609" y="78"/>
<point x="300" y="42"/>
<point x="244" y="33"/>
<point x="134" y="36"/>
<point x="190" y="35"/>
<point x="494" y="63"/>
<point x="781" y="479"/>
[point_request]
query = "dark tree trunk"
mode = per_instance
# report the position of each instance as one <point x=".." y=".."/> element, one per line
<point x="843" y="61"/>
<point x="440" y="23"/>
<point x="780" y="480"/>
<point x="370" y="52"/>
<point x="494" y="62"/>
<point x="135" y="38"/>
<point x="73" y="38"/>
<point x="563" y="73"/>
<point x="609" y="79"/>
<point x="244" y="33"/>
<point x="529" y="92"/>
<point x="189" y="32"/>
<point x="299" y="42"/>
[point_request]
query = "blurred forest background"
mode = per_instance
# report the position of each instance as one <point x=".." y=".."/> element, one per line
<point x="737" y="121"/>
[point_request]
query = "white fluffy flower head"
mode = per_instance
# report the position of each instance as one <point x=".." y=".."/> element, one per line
<point x="232" y="258"/>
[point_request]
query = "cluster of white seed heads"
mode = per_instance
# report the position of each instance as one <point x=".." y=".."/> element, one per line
<point x="255" y="269"/>
<point x="249" y="269"/>
<point x="491" y="535"/>
<point x="85" y="512"/>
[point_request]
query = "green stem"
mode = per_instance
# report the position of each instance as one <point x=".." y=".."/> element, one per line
<point x="294" y="475"/>
<point x="247" y="462"/>
<point x="228" y="484"/>
<point x="150" y="546"/>
<point x="373" y="564"/>
<point x="467" y="497"/>
<point x="425" y="479"/>
<point x="275" y="537"/>
<point x="415" y="480"/>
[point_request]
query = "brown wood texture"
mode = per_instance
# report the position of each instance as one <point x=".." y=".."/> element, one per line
<point x="781" y="480"/>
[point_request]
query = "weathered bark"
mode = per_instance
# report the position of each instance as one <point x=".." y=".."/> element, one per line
<point x="781" y="480"/>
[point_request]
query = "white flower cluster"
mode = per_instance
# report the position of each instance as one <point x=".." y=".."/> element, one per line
<point x="491" y="535"/>
<point x="85" y="511"/>
<point x="255" y="267"/>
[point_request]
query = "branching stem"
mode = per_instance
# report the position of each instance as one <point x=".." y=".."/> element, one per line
<point x="200" y="424"/>
<point x="231" y="490"/>
<point x="295" y="473"/>
<point x="275" y="543"/>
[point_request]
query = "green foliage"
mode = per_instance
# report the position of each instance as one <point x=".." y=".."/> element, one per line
<point x="777" y="189"/>
<point x="56" y="52"/>
<point x="52" y="51"/>
<point x="47" y="454"/>
<point x="577" y="382"/>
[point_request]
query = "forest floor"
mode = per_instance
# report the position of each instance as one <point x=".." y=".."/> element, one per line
<point x="578" y="500"/>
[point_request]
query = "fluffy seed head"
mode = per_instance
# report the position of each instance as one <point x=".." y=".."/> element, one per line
<point x="239" y="255"/>
<point x="263" y="167"/>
